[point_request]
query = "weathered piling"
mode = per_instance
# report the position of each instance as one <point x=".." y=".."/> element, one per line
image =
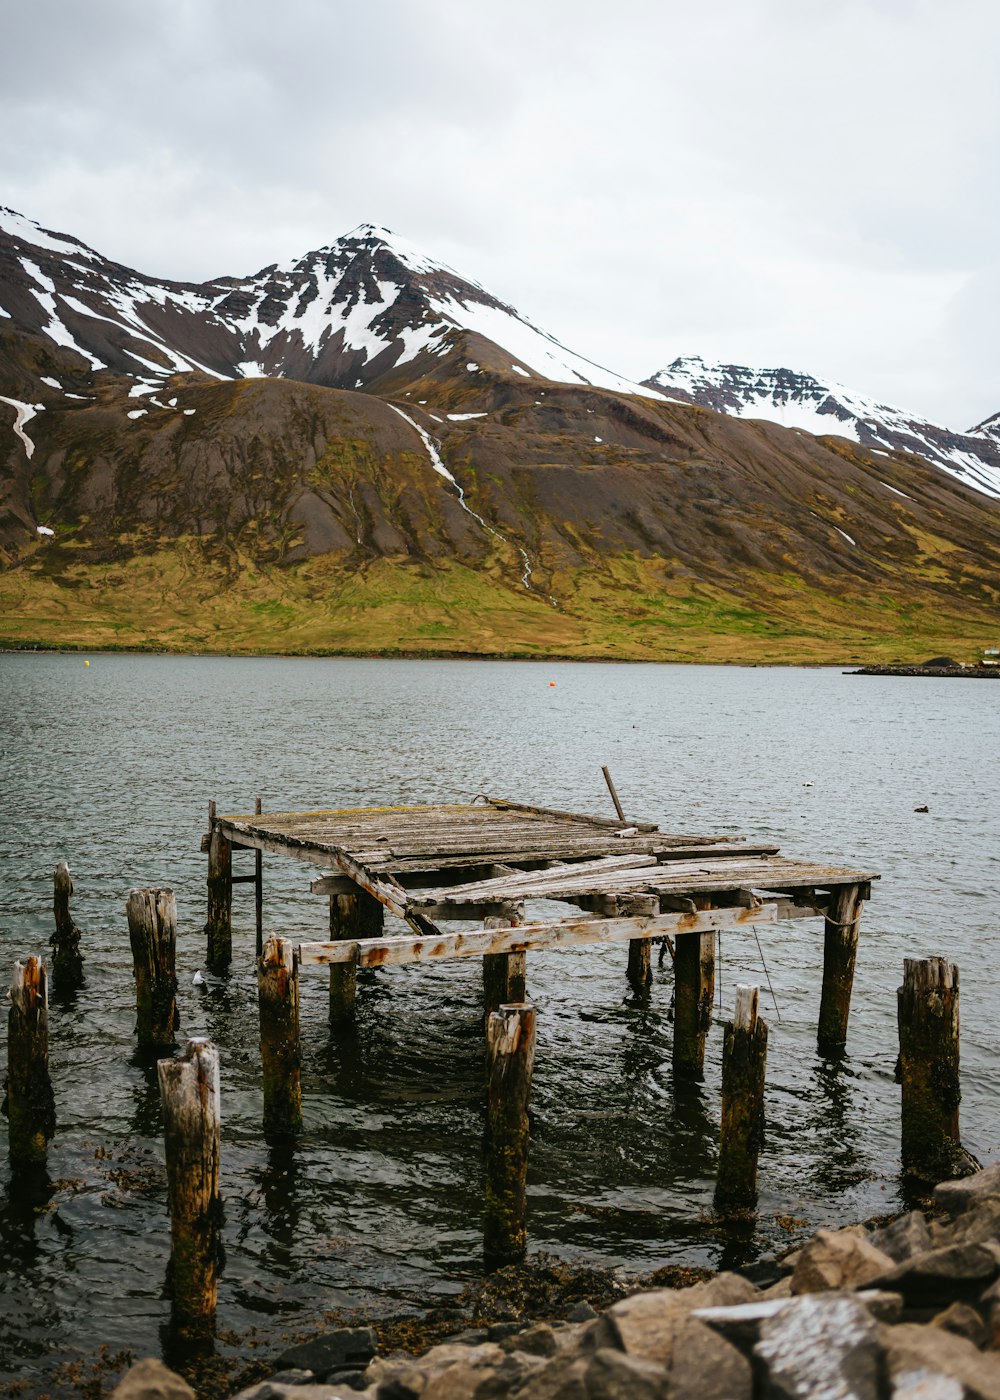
<point x="840" y="947"/>
<point x="278" y="998"/>
<point x="504" y="974"/>
<point x="510" y="1055"/>
<point x="67" y="960"/>
<point x="189" y="1093"/>
<point x="694" y="989"/>
<point x="152" y="928"/>
<point x="744" y="1061"/>
<point x="258" y="885"/>
<point x="927" y="1009"/>
<point x="219" y="926"/>
<point x="29" y="1100"/>
<point x="352" y="916"/>
<point x="640" y="963"/>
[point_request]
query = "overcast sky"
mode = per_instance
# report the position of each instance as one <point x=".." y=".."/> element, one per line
<point x="770" y="182"/>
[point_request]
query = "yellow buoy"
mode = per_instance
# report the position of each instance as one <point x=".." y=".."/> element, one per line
<point x="86" y="663"/>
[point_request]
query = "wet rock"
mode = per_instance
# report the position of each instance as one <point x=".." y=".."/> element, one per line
<point x="499" y="1331"/>
<point x="820" y="1346"/>
<point x="292" y="1377"/>
<point x="539" y="1340"/>
<point x="149" y="1379"/>
<point x="904" y="1238"/>
<point x="646" y="1324"/>
<point x="611" y="1375"/>
<point x="705" y="1366"/>
<point x="472" y="1336"/>
<point x="959" y="1196"/>
<point x="582" y="1312"/>
<point x="955" y="1273"/>
<point x="909" y="1347"/>
<point x="837" y="1259"/>
<point x="964" y="1322"/>
<point x="347" y="1347"/>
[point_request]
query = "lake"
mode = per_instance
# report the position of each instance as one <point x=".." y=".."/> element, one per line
<point x="378" y="1205"/>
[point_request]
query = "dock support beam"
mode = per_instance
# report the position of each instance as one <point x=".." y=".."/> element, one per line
<point x="219" y="927"/>
<point x="189" y="1091"/>
<point x="744" y="1061"/>
<point x="258" y="885"/>
<point x="278" y="998"/>
<point x="30" y="1104"/>
<point x="640" y="963"/>
<point x="927" y="1007"/>
<point x="694" y="988"/>
<point x="352" y="916"/>
<point x="504" y="974"/>
<point x="840" y="947"/>
<point x="67" y="960"/>
<point x="152" y="931"/>
<point x="510" y="1056"/>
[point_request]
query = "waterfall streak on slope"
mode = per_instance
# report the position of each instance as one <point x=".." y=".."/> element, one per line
<point x="22" y="413"/>
<point x="439" y="466"/>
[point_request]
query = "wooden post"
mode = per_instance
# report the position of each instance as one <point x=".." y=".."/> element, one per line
<point x="927" y="1008"/>
<point x="189" y="1092"/>
<point x="29" y="1101"/>
<point x="840" y="947"/>
<point x="694" y="989"/>
<point x="67" y="960"/>
<point x="219" y="926"/>
<point x="278" y="998"/>
<point x="510" y="1055"/>
<point x="343" y="976"/>
<point x="504" y="974"/>
<point x="259" y="885"/>
<point x="152" y="929"/>
<point x="744" y="1060"/>
<point x="640" y="963"/>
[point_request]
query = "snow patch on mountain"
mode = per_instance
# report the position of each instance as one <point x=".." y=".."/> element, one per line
<point x="23" y="413"/>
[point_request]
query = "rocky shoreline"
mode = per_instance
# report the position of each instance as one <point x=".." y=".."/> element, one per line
<point x="963" y="672"/>
<point x="905" y="1311"/>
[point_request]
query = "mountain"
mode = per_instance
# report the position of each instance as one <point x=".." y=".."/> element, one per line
<point x="800" y="401"/>
<point x="362" y="451"/>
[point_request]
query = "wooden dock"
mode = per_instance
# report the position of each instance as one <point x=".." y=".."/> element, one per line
<point x="481" y="862"/>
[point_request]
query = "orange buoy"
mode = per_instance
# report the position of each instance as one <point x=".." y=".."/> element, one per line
<point x="551" y="683"/>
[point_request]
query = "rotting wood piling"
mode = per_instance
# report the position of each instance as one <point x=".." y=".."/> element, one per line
<point x="840" y="947"/>
<point x="152" y="927"/>
<point x="510" y="1056"/>
<point x="189" y="1092"/>
<point x="927" y="1010"/>
<point x="694" y="983"/>
<point x="29" y="1099"/>
<point x="744" y="1063"/>
<point x="278" y="999"/>
<point x="219" y="926"/>
<point x="67" y="959"/>
<point x="504" y="974"/>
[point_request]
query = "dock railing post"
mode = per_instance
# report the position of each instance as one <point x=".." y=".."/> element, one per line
<point x="927" y="1009"/>
<point x="67" y="960"/>
<point x="504" y="974"/>
<point x="694" y="989"/>
<point x="510" y="1056"/>
<point x="744" y="1061"/>
<point x="278" y="998"/>
<point x="189" y="1091"/>
<point x="31" y="1109"/>
<point x="152" y="929"/>
<point x="840" y="947"/>
<point x="219" y="926"/>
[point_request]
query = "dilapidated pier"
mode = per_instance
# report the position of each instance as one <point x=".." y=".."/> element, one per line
<point x="483" y="862"/>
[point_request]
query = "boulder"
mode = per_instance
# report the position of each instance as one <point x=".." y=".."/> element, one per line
<point x="396" y="1377"/>
<point x="646" y="1324"/>
<point x="964" y="1322"/>
<point x="980" y="1224"/>
<point x="837" y="1259"/>
<point x="539" y="1340"/>
<point x="333" y="1351"/>
<point x="149" y="1379"/>
<point x="820" y="1346"/>
<point x="705" y="1366"/>
<point x="959" y="1196"/>
<point x="611" y="1375"/>
<point x="905" y="1237"/>
<point x="926" y="1385"/>
<point x="910" y="1347"/>
<point x="562" y="1378"/>
<point x="954" y="1273"/>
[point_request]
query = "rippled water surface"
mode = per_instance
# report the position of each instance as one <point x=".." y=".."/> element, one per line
<point x="378" y="1204"/>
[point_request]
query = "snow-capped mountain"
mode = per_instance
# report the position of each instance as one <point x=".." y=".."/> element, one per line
<point x="343" y="315"/>
<point x="801" y="401"/>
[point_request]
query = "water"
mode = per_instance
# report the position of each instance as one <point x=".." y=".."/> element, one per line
<point x="378" y="1205"/>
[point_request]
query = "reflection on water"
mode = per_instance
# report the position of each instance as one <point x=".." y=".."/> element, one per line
<point x="377" y="1204"/>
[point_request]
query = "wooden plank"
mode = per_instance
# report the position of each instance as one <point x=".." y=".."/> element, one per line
<point x="504" y="805"/>
<point x="381" y="952"/>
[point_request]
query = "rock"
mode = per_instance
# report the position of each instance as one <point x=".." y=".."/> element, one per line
<point x="611" y="1375"/>
<point x="292" y="1377"/>
<point x="562" y="1378"/>
<point x="964" y="1322"/>
<point x="955" y="1273"/>
<point x="333" y="1351"/>
<point x="820" y="1346"/>
<point x="781" y="1289"/>
<point x="149" y="1379"/>
<point x="268" y="1390"/>
<point x="978" y="1225"/>
<point x="396" y="1377"/>
<point x="581" y="1312"/>
<point x="471" y="1337"/>
<point x="904" y="1238"/>
<point x="705" y="1366"/>
<point x="539" y="1340"/>
<point x="927" y="1385"/>
<point x="645" y="1324"/>
<point x="959" y="1196"/>
<point x="498" y="1331"/>
<point x="910" y="1347"/>
<point x="837" y="1259"/>
<point x="447" y="1354"/>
